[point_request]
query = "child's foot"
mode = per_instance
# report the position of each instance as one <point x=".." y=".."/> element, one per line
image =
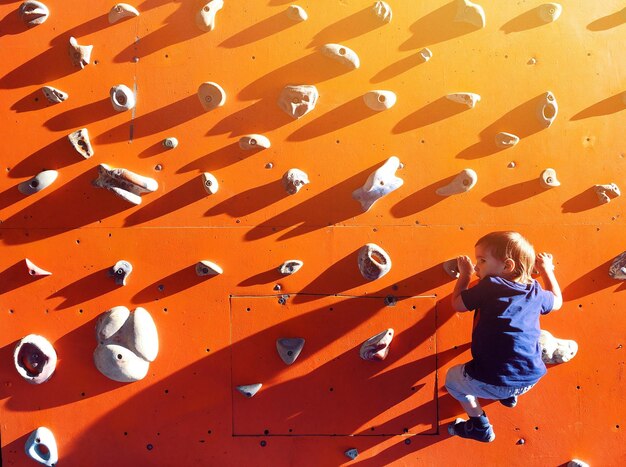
<point x="476" y="428"/>
<point x="509" y="401"/>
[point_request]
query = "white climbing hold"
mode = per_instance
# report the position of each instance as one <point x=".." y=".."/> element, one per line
<point x="342" y="54"/>
<point x="380" y="100"/>
<point x="426" y="54"/>
<point x="451" y="267"/>
<point x="506" y="140"/>
<point x="373" y="261"/>
<point x="121" y="271"/>
<point x="472" y="13"/>
<point x="79" y="140"/>
<point x="617" y="270"/>
<point x="35" y="359"/>
<point x="54" y="95"/>
<point x="555" y="350"/>
<point x="254" y="141"/>
<point x="210" y="183"/>
<point x="463" y="182"/>
<point x="296" y="13"/>
<point x="383" y="11"/>
<point x="208" y="268"/>
<point x="33" y="13"/>
<point x="80" y="54"/>
<point x="122" y="98"/>
<point x="549" y="12"/>
<point x="470" y="99"/>
<point x="121" y="11"/>
<point x="376" y="348"/>
<point x="205" y="18"/>
<point x="289" y="348"/>
<point x="41" y="446"/>
<point x="298" y="100"/>
<point x="606" y="192"/>
<point x="34" y="270"/>
<point x="39" y="182"/>
<point x="577" y="463"/>
<point x="548" y="178"/>
<point x="211" y="95"/>
<point x="380" y="183"/>
<point x="170" y="143"/>
<point x="290" y="267"/>
<point x="124" y="183"/>
<point x="293" y="180"/>
<point x="249" y="390"/>
<point x="547" y="109"/>
<point x="352" y="453"/>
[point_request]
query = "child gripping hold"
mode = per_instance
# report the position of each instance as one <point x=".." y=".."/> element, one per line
<point x="507" y="301"/>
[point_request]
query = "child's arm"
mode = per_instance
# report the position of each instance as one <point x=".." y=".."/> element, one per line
<point x="545" y="267"/>
<point x="466" y="268"/>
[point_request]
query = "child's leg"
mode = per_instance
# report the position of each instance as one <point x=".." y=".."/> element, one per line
<point x="457" y="385"/>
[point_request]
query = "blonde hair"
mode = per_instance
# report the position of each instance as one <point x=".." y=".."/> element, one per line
<point x="507" y="244"/>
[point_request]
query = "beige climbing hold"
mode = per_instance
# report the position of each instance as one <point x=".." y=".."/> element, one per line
<point x="122" y="98"/>
<point x="549" y="12"/>
<point x="547" y="109"/>
<point x="208" y="268"/>
<point x="127" y="344"/>
<point x="342" y="54"/>
<point x="548" y="178"/>
<point x="80" y="54"/>
<point x="380" y="100"/>
<point x="254" y="141"/>
<point x="54" y="95"/>
<point x="170" y="143"/>
<point x="452" y="268"/>
<point x="426" y="54"/>
<point x="205" y="18"/>
<point x="470" y="99"/>
<point x="577" y="463"/>
<point x="506" y="140"/>
<point x="211" y="95"/>
<point x="555" y="350"/>
<point x="210" y="183"/>
<point x="472" y="13"/>
<point x="249" y="390"/>
<point x="79" y="140"/>
<point x="41" y="446"/>
<point x="124" y="183"/>
<point x="298" y="100"/>
<point x="293" y="180"/>
<point x="39" y="182"/>
<point x="463" y="182"/>
<point x="34" y="270"/>
<point x="373" y="261"/>
<point x="376" y="348"/>
<point x="121" y="11"/>
<point x="296" y="13"/>
<point x="382" y="10"/>
<point x="607" y="192"/>
<point x="35" y="359"/>
<point x="617" y="270"/>
<point x="289" y="348"/>
<point x="380" y="183"/>
<point x="33" y="13"/>
<point x="290" y="267"/>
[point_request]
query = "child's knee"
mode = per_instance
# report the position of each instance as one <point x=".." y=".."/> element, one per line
<point x="453" y="376"/>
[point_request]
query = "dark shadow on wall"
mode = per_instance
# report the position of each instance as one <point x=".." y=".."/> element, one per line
<point x="421" y="200"/>
<point x="249" y="201"/>
<point x="584" y="201"/>
<point x="608" y="106"/>
<point x="264" y="115"/>
<point x="10" y="196"/>
<point x="215" y="160"/>
<point x="528" y="20"/>
<point x="32" y="102"/>
<point x="46" y="67"/>
<point x="54" y="156"/>
<point x="436" y="111"/>
<point x="171" y="285"/>
<point x="16" y="276"/>
<point x="608" y="22"/>
<point x="258" y="31"/>
<point x="86" y="288"/>
<point x="81" y="116"/>
<point x="397" y="68"/>
<point x="515" y="193"/>
<point x="11" y="24"/>
<point x="347" y="28"/>
<point x="88" y="27"/>
<point x="592" y="282"/>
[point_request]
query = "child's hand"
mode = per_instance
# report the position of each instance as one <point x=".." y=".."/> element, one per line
<point x="466" y="268"/>
<point x="544" y="263"/>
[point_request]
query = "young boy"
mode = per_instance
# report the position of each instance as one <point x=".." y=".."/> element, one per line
<point x="506" y="358"/>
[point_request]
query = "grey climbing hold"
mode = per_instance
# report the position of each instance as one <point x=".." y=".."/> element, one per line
<point x="289" y="348"/>
<point x="373" y="261"/>
<point x="35" y="359"/>
<point x="352" y="453"/>
<point x="39" y="182"/>
<point x="249" y="390"/>
<point x="42" y="447"/>
<point x="506" y="140"/>
<point x="607" y="192"/>
<point x="296" y="13"/>
<point x="170" y="143"/>
<point x="470" y="99"/>
<point x="298" y="100"/>
<point x="617" y="270"/>
<point x="80" y="54"/>
<point x="33" y="13"/>
<point x="211" y="95"/>
<point x="54" y="95"/>
<point x="342" y="54"/>
<point x="577" y="463"/>
<point x="290" y="267"/>
<point x="380" y="183"/>
<point x="121" y="11"/>
<point x="293" y="180"/>
<point x="463" y="182"/>
<point x="122" y="98"/>
<point x="548" y="179"/>
<point x="452" y="268"/>
<point x="205" y="18"/>
<point x="549" y="12"/>
<point x="210" y="183"/>
<point x="555" y="350"/>
<point x="377" y="347"/>
<point x="120" y="272"/>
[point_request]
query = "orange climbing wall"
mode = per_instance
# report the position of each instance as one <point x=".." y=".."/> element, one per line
<point x="186" y="411"/>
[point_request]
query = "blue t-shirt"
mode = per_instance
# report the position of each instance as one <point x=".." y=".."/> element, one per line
<point x="505" y="339"/>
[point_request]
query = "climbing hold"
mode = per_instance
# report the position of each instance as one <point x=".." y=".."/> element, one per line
<point x="290" y="267"/>
<point x="122" y="98"/>
<point x="42" y="447"/>
<point x="289" y="348"/>
<point x="298" y="100"/>
<point x="342" y="54"/>
<point x="124" y="183"/>
<point x="35" y="359"/>
<point x="55" y="96"/>
<point x="208" y="268"/>
<point x="468" y="12"/>
<point x="379" y="100"/>
<point x="254" y="141"/>
<point x="425" y="54"/>
<point x="380" y="183"/>
<point x="80" y="54"/>
<point x="377" y="348"/>
<point x="555" y="350"/>
<point x="34" y="270"/>
<point x="33" y="13"/>
<point x="80" y="142"/>
<point x="249" y="390"/>
<point x="607" y="192"/>
<point x="170" y="143"/>
<point x="577" y="463"/>
<point x="210" y="184"/>
<point x="205" y="18"/>
<point x="463" y="182"/>
<point x="383" y="11"/>
<point x="451" y="267"/>
<point x="39" y="182"/>
<point x="617" y="270"/>
<point x="549" y="12"/>
<point x="547" y="109"/>
<point x="121" y="11"/>
<point x="468" y="98"/>
<point x="506" y="140"/>
<point x="548" y="178"/>
<point x="127" y="343"/>
<point x="293" y="180"/>
<point x="373" y="261"/>
<point x="296" y="13"/>
<point x="352" y="453"/>
<point x="120" y="272"/>
<point x="211" y="95"/>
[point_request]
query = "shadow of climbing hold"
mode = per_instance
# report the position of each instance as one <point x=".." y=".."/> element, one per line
<point x="376" y="348"/>
<point x="289" y="348"/>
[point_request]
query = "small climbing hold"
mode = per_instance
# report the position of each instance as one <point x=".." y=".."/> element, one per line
<point x="121" y="11"/>
<point x="547" y="109"/>
<point x="342" y="54"/>
<point x="451" y="267"/>
<point x="290" y="267"/>
<point x="532" y="61"/>
<point x="80" y="54"/>
<point x="506" y="140"/>
<point x="380" y="100"/>
<point x="379" y="183"/>
<point x="548" y="178"/>
<point x="205" y="18"/>
<point x="470" y="99"/>
<point x="34" y="270"/>
<point x="79" y="140"/>
<point x="293" y="180"/>
<point x="373" y="261"/>
<point x="521" y="441"/>
<point x="298" y="100"/>
<point x="170" y="143"/>
<point x="208" y="268"/>
<point x="376" y="348"/>
<point x="549" y="12"/>
<point x="352" y="453"/>
<point x="122" y="98"/>
<point x="296" y="13"/>
<point x="254" y="141"/>
<point x="382" y="10"/>
<point x="39" y="182"/>
<point x="211" y="95"/>
<point x="577" y="463"/>
<point x="463" y="182"/>
<point x="121" y="271"/>
<point x="210" y="184"/>
<point x="617" y="270"/>
<point x="41" y="446"/>
<point x="249" y="390"/>
<point x="35" y="359"/>
<point x="426" y="54"/>
<point x="471" y="13"/>
<point x="54" y="95"/>
<point x="555" y="350"/>
<point x="511" y="165"/>
<point x="289" y="348"/>
<point x="607" y="192"/>
<point x="269" y="165"/>
<point x="124" y="183"/>
<point x="33" y="13"/>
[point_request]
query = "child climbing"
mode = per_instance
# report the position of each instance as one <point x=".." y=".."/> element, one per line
<point x="506" y="358"/>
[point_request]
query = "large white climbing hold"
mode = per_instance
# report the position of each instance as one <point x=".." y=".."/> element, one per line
<point x="121" y="11"/>
<point x="470" y="99"/>
<point x="296" y="13"/>
<point x="79" y="140"/>
<point x="289" y="348"/>
<point x="290" y="267"/>
<point x="380" y="100"/>
<point x="298" y="100"/>
<point x="472" y="13"/>
<point x="376" y="348"/>
<point x="127" y="343"/>
<point x="293" y="180"/>
<point x="342" y="54"/>
<point x="617" y="270"/>
<point x="80" y="54"/>
<point x="383" y="11"/>
<point x="208" y="268"/>
<point x="380" y="183"/>
<point x="547" y="109"/>
<point x="464" y="181"/>
<point x="254" y="141"/>
<point x="548" y="179"/>
<point x="205" y="18"/>
<point x="211" y="95"/>
<point x="54" y="95"/>
<point x="39" y="182"/>
<point x="549" y="12"/>
<point x="33" y="13"/>
<point x="41" y="446"/>
<point x="34" y="270"/>
<point x="124" y="183"/>
<point x="607" y="192"/>
<point x="373" y="261"/>
<point x="122" y="98"/>
<point x="506" y="140"/>
<point x="35" y="359"/>
<point x="555" y="350"/>
<point x="249" y="390"/>
<point x="210" y="183"/>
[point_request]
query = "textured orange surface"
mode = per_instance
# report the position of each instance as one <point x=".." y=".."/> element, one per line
<point x="187" y="410"/>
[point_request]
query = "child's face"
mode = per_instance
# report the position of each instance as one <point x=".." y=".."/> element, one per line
<point x="487" y="264"/>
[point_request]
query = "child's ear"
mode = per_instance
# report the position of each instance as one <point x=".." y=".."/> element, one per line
<point x="509" y="265"/>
